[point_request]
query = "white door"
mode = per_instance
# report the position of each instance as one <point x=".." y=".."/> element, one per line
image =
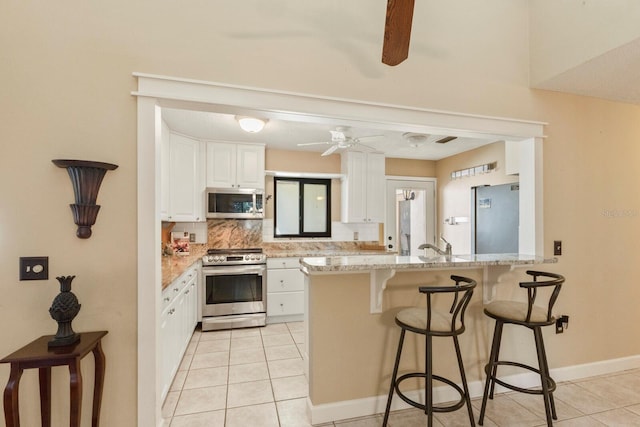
<point x="410" y="214"/>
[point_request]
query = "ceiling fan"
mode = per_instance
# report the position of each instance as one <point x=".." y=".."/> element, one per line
<point x="340" y="140"/>
<point x="397" y="31"/>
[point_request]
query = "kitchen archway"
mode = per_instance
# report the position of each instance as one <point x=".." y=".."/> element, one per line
<point x="155" y="92"/>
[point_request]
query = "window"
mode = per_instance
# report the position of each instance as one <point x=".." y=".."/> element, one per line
<point x="302" y="207"/>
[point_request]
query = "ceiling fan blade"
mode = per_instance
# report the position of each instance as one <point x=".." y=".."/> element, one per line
<point x="302" y="144"/>
<point x="446" y="139"/>
<point x="397" y="31"/>
<point x="330" y="150"/>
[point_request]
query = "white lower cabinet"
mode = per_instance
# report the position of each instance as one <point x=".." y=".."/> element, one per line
<point x="285" y="290"/>
<point x="177" y="322"/>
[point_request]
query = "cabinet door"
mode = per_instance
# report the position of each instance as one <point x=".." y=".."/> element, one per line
<point x="185" y="184"/>
<point x="285" y="303"/>
<point x="375" y="187"/>
<point x="274" y="263"/>
<point x="354" y="187"/>
<point x="285" y="280"/>
<point x="250" y="166"/>
<point x="221" y="165"/>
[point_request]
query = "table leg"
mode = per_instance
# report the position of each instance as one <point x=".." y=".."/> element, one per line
<point x="100" y="362"/>
<point x="11" y="410"/>
<point x="45" y="396"/>
<point x="75" y="385"/>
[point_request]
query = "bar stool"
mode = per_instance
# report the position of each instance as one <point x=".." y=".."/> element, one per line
<point x="434" y="323"/>
<point x="531" y="316"/>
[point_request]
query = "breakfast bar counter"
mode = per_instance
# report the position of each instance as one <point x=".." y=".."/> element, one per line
<point x="389" y="261"/>
<point x="383" y="267"/>
<point x="350" y="334"/>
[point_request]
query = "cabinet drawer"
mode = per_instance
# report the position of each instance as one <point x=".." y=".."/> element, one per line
<point x="285" y="303"/>
<point x="285" y="280"/>
<point x="283" y="263"/>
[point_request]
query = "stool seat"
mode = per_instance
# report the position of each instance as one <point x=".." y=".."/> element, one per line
<point x="516" y="312"/>
<point x="416" y="318"/>
<point x="531" y="316"/>
<point x="432" y="322"/>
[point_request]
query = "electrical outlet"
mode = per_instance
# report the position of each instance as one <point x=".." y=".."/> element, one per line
<point x="562" y="323"/>
<point x="34" y="268"/>
<point x="192" y="237"/>
<point x="557" y="247"/>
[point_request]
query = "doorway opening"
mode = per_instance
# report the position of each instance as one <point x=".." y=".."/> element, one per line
<point x="411" y="214"/>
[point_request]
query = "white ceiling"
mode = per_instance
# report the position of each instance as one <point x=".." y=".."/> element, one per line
<point x="286" y="135"/>
<point x="614" y="75"/>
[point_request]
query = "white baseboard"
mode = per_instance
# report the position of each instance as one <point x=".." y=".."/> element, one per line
<point x="346" y="409"/>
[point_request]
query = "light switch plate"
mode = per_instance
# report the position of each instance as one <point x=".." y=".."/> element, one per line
<point x="557" y="247"/>
<point x="34" y="268"/>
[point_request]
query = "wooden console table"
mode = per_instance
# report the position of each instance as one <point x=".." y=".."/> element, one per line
<point x="37" y="354"/>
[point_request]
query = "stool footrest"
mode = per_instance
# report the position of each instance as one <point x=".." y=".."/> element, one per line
<point x="450" y="408"/>
<point x="551" y="384"/>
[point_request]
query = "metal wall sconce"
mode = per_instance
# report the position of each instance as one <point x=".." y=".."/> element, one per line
<point x="86" y="177"/>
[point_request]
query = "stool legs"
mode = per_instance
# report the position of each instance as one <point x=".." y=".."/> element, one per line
<point x="545" y="379"/>
<point x="428" y="376"/>
<point x="393" y="379"/>
<point x="428" y="381"/>
<point x="549" y="405"/>
<point x="491" y="369"/>
<point x="464" y="381"/>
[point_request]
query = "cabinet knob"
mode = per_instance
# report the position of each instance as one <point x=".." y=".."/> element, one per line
<point x="187" y="291"/>
<point x="167" y="299"/>
<point x="175" y="289"/>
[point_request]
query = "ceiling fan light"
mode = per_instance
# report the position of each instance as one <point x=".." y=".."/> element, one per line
<point x="251" y="124"/>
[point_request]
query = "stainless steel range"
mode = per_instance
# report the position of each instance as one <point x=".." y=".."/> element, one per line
<point x="233" y="288"/>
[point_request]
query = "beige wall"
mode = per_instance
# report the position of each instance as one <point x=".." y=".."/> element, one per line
<point x="65" y="93"/>
<point x="410" y="167"/>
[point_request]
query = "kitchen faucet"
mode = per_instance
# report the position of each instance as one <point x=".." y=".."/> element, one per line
<point x="446" y="252"/>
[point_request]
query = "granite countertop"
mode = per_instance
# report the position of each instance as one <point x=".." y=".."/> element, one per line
<point x="174" y="265"/>
<point x="396" y="262"/>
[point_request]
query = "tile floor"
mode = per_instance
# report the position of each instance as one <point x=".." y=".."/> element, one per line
<point x="254" y="377"/>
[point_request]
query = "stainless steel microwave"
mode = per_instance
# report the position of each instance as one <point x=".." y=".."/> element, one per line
<point x="234" y="203"/>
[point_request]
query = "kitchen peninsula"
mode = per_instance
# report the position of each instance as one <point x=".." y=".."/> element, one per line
<point x="351" y="305"/>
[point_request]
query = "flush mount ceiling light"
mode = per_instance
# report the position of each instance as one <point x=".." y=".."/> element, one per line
<point x="251" y="124"/>
<point x="415" y="140"/>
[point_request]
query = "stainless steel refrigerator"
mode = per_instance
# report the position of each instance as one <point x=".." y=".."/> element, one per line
<point x="495" y="219"/>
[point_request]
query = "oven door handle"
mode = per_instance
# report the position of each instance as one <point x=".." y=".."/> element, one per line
<point x="239" y="269"/>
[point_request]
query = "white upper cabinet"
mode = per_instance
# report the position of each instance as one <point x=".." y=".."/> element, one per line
<point x="231" y="165"/>
<point x="182" y="179"/>
<point x="363" y="187"/>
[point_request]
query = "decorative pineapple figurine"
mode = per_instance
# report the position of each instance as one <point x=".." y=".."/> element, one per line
<point x="63" y="310"/>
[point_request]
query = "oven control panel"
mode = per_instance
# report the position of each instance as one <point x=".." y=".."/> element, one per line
<point x="235" y="259"/>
